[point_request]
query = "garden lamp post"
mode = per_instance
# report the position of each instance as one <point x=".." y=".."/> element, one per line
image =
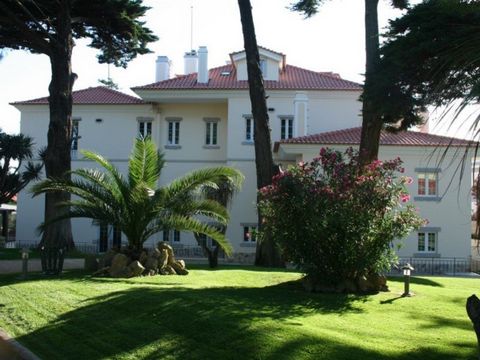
<point x="407" y="269"/>
<point x="24" y="253"/>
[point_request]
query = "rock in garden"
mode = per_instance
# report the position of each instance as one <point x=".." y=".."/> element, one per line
<point x="163" y="245"/>
<point x="151" y="263"/>
<point x="163" y="259"/>
<point x="107" y="258"/>
<point x="119" y="264"/>
<point x="167" y="270"/>
<point x="155" y="253"/>
<point x="143" y="258"/>
<point x="136" y="268"/>
<point x="179" y="267"/>
<point x="379" y="282"/>
<point x="91" y="263"/>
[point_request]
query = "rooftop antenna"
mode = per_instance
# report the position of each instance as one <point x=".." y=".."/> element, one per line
<point x="191" y="27"/>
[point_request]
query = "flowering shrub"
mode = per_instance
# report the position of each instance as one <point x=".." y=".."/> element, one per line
<point x="337" y="220"/>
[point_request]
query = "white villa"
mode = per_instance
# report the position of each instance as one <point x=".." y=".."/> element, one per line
<point x="203" y="119"/>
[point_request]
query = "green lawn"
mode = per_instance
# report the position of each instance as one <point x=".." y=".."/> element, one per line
<point x="234" y="313"/>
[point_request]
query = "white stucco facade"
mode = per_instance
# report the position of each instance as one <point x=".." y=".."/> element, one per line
<point x="110" y="130"/>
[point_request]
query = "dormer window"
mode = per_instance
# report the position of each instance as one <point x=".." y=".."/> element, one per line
<point x="225" y="73"/>
<point x="263" y="66"/>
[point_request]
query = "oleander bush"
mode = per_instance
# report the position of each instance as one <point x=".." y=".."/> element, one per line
<point x="337" y="220"/>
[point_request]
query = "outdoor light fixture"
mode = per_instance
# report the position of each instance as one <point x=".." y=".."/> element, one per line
<point x="24" y="253"/>
<point x="407" y="270"/>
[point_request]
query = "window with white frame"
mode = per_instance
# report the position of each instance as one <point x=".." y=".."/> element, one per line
<point x="171" y="235"/>
<point x="427" y="183"/>
<point x="144" y="127"/>
<point x="249" y="233"/>
<point x="173" y="132"/>
<point x="207" y="241"/>
<point x="427" y="242"/>
<point x="263" y="66"/>
<point x="249" y="129"/>
<point x="286" y="127"/>
<point x="211" y="131"/>
<point x="75" y="137"/>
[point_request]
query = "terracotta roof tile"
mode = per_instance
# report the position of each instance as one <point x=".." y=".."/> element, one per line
<point x="293" y="78"/>
<point x="351" y="136"/>
<point x="99" y="95"/>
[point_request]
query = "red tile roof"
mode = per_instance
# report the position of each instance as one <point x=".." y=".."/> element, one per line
<point x="293" y="78"/>
<point x="351" y="136"/>
<point x="99" y="95"/>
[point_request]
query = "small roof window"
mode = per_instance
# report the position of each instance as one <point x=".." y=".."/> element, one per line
<point x="225" y="73"/>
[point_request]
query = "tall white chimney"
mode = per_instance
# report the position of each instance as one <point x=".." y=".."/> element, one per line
<point x="162" y="68"/>
<point x="202" y="76"/>
<point x="190" y="62"/>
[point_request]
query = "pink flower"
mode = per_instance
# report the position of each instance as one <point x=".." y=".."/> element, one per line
<point x="409" y="180"/>
<point x="404" y="198"/>
<point x="301" y="164"/>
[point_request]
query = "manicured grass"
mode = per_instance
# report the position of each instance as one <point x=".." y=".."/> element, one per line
<point x="234" y="313"/>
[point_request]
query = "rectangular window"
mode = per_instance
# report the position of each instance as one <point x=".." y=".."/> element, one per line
<point x="263" y="66"/>
<point x="427" y="184"/>
<point x="249" y="233"/>
<point x="286" y="128"/>
<point x="75" y="138"/>
<point x="249" y="130"/>
<point x="173" y="132"/>
<point x="144" y="128"/>
<point x="211" y="132"/>
<point x="117" y="237"/>
<point x="171" y="235"/>
<point x="427" y="242"/>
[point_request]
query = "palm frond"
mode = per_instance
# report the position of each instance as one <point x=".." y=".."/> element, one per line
<point x="145" y="163"/>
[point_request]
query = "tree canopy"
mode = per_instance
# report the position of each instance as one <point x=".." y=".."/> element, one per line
<point x="430" y="57"/>
<point x="114" y="27"/>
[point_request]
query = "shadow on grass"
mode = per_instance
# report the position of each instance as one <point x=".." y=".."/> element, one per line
<point x="415" y="280"/>
<point x="207" y="323"/>
<point x="67" y="275"/>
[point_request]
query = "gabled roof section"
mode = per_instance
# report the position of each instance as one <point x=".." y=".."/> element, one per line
<point x="99" y="95"/>
<point x="224" y="78"/>
<point x="351" y="136"/>
<point x="263" y="52"/>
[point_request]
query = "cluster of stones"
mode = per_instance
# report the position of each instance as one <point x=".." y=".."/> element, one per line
<point x="159" y="260"/>
<point x="364" y="284"/>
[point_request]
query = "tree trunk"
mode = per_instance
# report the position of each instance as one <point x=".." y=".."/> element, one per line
<point x="58" y="236"/>
<point x="473" y="311"/>
<point x="267" y="253"/>
<point x="213" y="257"/>
<point x="371" y="122"/>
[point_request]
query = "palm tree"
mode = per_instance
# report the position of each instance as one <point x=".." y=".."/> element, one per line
<point x="16" y="148"/>
<point x="135" y="204"/>
<point x="222" y="194"/>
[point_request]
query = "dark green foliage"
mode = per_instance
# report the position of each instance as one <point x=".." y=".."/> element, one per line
<point x="14" y="178"/>
<point x="114" y="26"/>
<point x="430" y="57"/>
<point x="335" y="220"/>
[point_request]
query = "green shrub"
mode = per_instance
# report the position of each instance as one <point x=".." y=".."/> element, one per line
<point x="337" y="220"/>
